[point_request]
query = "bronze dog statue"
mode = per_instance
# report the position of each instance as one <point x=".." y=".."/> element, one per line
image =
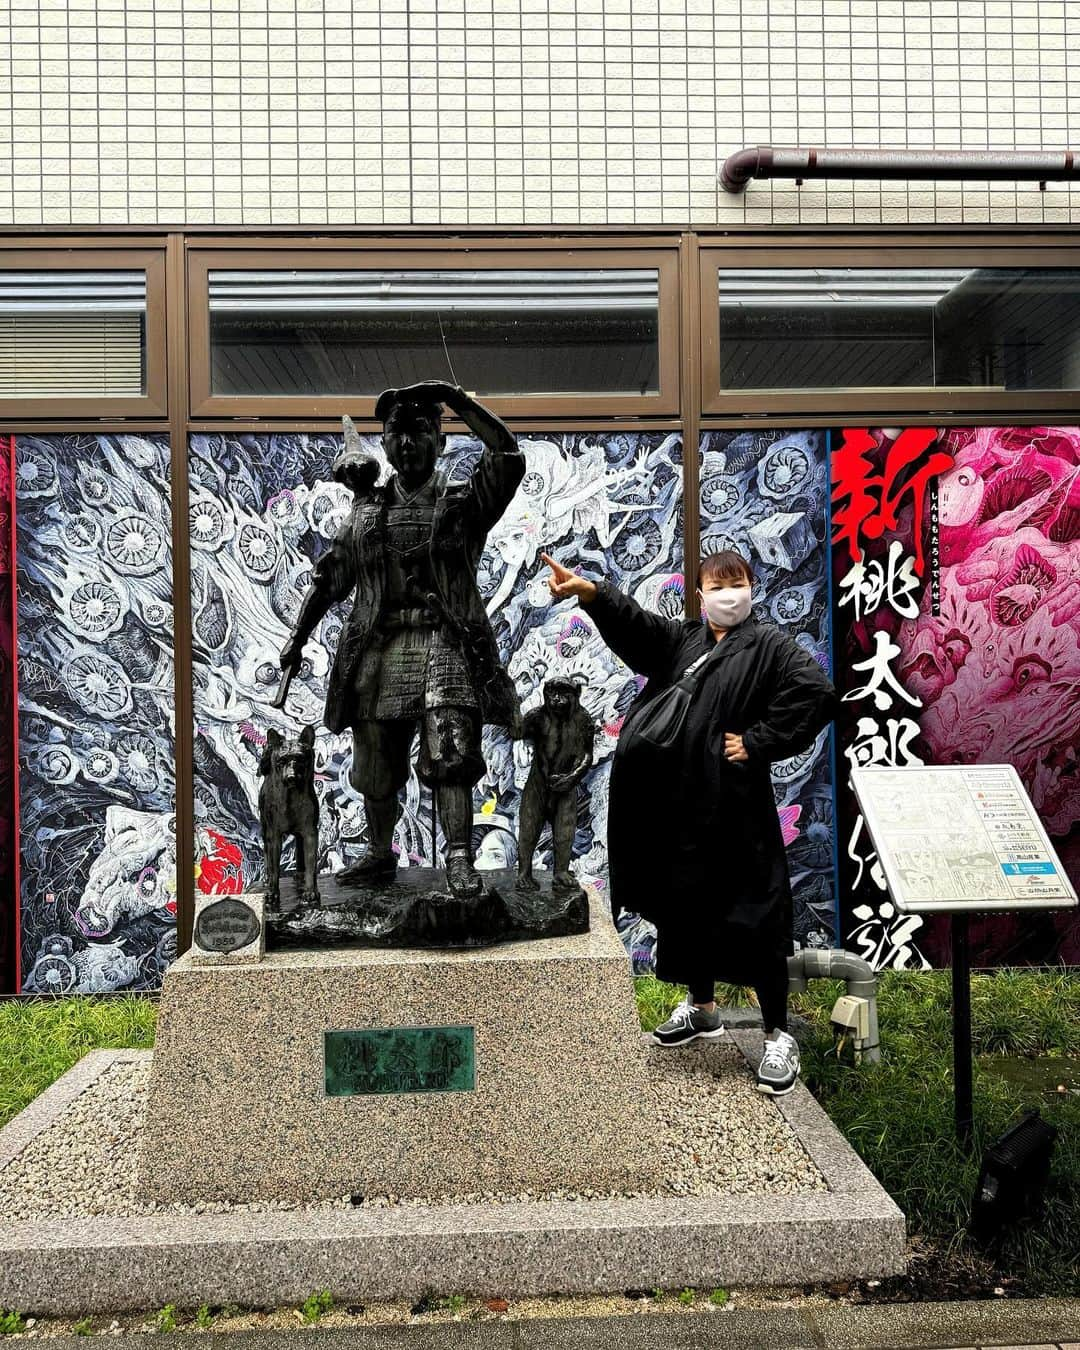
<point x="288" y="805"/>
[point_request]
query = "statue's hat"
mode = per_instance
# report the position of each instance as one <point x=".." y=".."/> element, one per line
<point x="390" y="399"/>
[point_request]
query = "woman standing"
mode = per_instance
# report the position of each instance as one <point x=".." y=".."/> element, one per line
<point x="694" y="839"/>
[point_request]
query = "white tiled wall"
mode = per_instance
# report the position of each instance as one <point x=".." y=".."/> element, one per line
<point x="451" y="112"/>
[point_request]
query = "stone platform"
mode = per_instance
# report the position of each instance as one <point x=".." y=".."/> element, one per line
<point x="525" y="1073"/>
<point x="58" y="1258"/>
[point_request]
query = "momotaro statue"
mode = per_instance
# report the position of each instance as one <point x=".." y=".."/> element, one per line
<point x="562" y="734"/>
<point x="418" y="649"/>
<point x="288" y="805"/>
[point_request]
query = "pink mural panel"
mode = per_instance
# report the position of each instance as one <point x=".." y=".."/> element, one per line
<point x="998" y="669"/>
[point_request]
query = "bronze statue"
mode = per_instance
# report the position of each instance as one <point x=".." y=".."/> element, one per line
<point x="562" y="734"/>
<point x="418" y="650"/>
<point x="288" y="805"/>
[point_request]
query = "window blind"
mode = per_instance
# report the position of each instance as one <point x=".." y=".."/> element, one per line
<point x="72" y="333"/>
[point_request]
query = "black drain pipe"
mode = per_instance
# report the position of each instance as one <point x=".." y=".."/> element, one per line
<point x="763" y="161"/>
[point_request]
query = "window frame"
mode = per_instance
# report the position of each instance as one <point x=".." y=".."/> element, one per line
<point x="880" y="401"/>
<point x="260" y="255"/>
<point x="154" y="402"/>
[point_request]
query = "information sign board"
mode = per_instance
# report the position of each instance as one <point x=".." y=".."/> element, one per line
<point x="960" y="838"/>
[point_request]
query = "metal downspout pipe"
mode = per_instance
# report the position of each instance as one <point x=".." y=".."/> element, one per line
<point x="764" y="161"/>
<point x="812" y="963"/>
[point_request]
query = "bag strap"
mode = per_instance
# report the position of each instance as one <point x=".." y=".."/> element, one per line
<point x="696" y="669"/>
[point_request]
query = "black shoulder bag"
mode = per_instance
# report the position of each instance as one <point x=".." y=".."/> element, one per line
<point x="662" y="722"/>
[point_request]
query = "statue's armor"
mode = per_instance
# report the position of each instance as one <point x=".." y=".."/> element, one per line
<point x="416" y="664"/>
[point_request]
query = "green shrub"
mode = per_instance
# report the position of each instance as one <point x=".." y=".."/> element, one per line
<point x="83" y="1327"/>
<point x="11" y="1323"/>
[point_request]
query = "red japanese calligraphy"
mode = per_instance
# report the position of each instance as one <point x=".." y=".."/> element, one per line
<point x="866" y="503"/>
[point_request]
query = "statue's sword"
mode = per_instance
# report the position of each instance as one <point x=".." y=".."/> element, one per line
<point x="278" y="701"/>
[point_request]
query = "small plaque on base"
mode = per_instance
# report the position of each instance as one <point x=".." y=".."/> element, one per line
<point x="399" y="1059"/>
<point x="228" y="929"/>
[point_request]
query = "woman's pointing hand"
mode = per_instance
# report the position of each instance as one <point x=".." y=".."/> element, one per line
<point x="563" y="583"/>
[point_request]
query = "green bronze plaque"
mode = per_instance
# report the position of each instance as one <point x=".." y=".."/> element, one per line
<point x="381" y="1060"/>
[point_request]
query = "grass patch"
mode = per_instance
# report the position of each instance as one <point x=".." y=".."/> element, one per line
<point x="898" y="1115"/>
<point x="40" y="1040"/>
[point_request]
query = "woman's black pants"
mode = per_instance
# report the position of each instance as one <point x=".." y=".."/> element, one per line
<point x="770" y="985"/>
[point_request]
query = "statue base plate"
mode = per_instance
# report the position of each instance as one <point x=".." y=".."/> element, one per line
<point x="416" y="909"/>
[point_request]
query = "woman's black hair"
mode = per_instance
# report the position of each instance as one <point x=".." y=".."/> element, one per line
<point x="720" y="566"/>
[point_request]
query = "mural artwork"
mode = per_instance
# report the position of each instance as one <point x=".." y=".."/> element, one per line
<point x="764" y="493"/>
<point x="95" y="654"/>
<point x="882" y="484"/>
<point x="956" y="563"/>
<point x="996" y="664"/>
<point x="609" y="504"/>
<point x="8" y="832"/>
<point x="955" y="632"/>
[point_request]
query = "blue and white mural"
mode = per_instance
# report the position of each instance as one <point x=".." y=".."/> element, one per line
<point x="765" y="494"/>
<point x="96" y="659"/>
<point x="96" y="757"/>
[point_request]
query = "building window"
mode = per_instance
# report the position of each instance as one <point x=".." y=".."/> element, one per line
<point x="68" y="333"/>
<point x="896" y="336"/>
<point x="82" y="331"/>
<point x="507" y="334"/>
<point x="528" y="333"/>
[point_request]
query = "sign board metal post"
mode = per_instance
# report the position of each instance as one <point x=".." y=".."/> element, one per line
<point x="960" y="839"/>
<point x="961" y="1004"/>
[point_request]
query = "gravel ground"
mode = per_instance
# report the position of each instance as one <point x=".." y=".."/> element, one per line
<point x="715" y="1132"/>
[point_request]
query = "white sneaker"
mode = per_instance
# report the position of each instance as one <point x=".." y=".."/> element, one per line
<point x="779" y="1068"/>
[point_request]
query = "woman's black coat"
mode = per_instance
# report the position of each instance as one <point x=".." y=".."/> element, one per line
<point x="694" y="840"/>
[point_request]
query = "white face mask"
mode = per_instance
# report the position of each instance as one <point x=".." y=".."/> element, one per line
<point x="727" y="606"/>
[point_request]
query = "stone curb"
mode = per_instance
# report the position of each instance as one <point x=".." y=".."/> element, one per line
<point x="917" y="1326"/>
<point x="910" y="1326"/>
<point x="80" y="1266"/>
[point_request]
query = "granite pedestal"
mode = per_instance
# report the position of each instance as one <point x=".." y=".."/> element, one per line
<point x="239" y="1108"/>
<point x="74" y="1266"/>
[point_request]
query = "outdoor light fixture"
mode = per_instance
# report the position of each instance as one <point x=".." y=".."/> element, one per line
<point x="1012" y="1177"/>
